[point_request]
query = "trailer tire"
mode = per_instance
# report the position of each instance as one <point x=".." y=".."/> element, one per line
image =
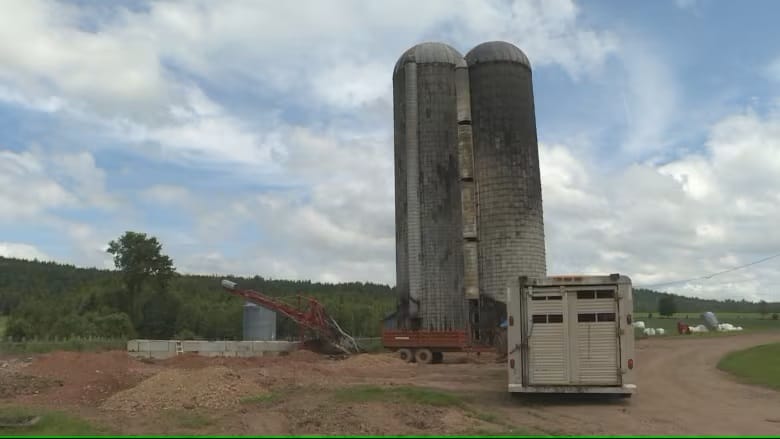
<point x="406" y="355"/>
<point x="423" y="356"/>
<point x="438" y="357"/>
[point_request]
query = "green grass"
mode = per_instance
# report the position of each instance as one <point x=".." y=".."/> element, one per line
<point x="190" y="419"/>
<point x="756" y="365"/>
<point x="486" y="417"/>
<point x="43" y="346"/>
<point x="402" y="394"/>
<point x="3" y="324"/>
<point x="262" y="399"/>
<point x="371" y="345"/>
<point x="51" y="423"/>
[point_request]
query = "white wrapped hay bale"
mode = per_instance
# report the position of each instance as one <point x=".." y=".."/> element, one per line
<point x="640" y="325"/>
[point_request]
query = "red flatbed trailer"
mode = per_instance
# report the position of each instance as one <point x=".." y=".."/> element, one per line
<point x="429" y="346"/>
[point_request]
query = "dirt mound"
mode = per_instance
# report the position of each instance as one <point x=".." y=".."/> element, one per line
<point x="195" y="361"/>
<point x="86" y="378"/>
<point x="73" y="365"/>
<point x="15" y="384"/>
<point x="212" y="387"/>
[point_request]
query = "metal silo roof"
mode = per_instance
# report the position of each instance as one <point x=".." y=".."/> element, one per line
<point x="431" y="52"/>
<point x="497" y="51"/>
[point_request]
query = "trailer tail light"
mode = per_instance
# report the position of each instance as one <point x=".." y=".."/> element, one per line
<point x="630" y="363"/>
<point x="628" y="319"/>
<point x="511" y="320"/>
<point x="512" y="363"/>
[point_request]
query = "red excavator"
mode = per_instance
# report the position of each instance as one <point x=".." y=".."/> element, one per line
<point x="327" y="332"/>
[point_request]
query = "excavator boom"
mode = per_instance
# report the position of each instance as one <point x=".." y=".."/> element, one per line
<point x="315" y="318"/>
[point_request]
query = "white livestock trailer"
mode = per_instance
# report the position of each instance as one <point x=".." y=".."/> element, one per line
<point x="571" y="334"/>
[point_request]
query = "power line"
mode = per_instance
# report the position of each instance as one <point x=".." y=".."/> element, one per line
<point x="710" y="276"/>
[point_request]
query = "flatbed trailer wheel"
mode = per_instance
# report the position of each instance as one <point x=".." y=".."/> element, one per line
<point x="423" y="356"/>
<point x="438" y="357"/>
<point x="406" y="355"/>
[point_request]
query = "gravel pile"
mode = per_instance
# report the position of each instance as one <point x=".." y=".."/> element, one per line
<point x="211" y="387"/>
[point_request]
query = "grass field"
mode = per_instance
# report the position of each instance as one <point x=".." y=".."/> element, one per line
<point x="51" y="423"/>
<point x="3" y="323"/>
<point x="750" y="322"/>
<point x="43" y="346"/>
<point x="757" y="365"/>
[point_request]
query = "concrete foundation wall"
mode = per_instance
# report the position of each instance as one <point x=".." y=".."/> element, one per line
<point x="161" y="349"/>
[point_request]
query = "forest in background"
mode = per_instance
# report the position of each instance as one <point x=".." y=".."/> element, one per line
<point x="46" y="300"/>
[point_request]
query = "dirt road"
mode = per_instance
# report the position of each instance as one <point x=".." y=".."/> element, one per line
<point x="680" y="391"/>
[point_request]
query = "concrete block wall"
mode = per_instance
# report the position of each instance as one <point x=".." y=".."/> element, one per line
<point x="162" y="349"/>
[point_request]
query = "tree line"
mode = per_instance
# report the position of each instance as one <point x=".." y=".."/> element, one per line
<point x="145" y="297"/>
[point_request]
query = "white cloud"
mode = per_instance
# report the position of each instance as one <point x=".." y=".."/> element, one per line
<point x="651" y="100"/>
<point x="26" y="189"/>
<point x="45" y="53"/>
<point x="686" y="4"/>
<point x="33" y="182"/>
<point x="167" y="195"/>
<point x="700" y="214"/>
<point x="773" y="70"/>
<point x="22" y="251"/>
<point x="139" y="70"/>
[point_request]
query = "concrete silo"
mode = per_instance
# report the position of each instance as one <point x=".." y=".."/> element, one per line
<point x="429" y="218"/>
<point x="510" y="230"/>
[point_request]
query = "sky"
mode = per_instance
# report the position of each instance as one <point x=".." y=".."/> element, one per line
<point x="255" y="137"/>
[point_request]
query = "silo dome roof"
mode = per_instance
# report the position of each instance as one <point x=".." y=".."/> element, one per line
<point x="497" y="51"/>
<point x="431" y="52"/>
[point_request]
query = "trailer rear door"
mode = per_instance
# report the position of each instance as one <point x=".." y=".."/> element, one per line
<point x="572" y="336"/>
<point x="596" y="336"/>
<point x="548" y="341"/>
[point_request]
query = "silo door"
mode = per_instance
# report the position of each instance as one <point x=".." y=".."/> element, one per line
<point x="548" y="347"/>
<point x="594" y="337"/>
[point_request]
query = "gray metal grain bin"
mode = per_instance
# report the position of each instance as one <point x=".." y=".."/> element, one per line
<point x="259" y="323"/>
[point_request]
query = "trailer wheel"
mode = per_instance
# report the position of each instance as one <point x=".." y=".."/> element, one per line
<point x="406" y="355"/>
<point x="423" y="356"/>
<point x="438" y="357"/>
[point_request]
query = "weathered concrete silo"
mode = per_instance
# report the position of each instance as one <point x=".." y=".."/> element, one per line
<point x="429" y="223"/>
<point x="506" y="168"/>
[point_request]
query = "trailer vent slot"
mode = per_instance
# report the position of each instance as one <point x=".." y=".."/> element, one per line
<point x="547" y="318"/>
<point x="586" y="294"/>
<point x="605" y="294"/>
<point x="606" y="317"/>
<point x="589" y="317"/>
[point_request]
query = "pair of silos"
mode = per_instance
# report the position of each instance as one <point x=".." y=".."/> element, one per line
<point x="467" y="184"/>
